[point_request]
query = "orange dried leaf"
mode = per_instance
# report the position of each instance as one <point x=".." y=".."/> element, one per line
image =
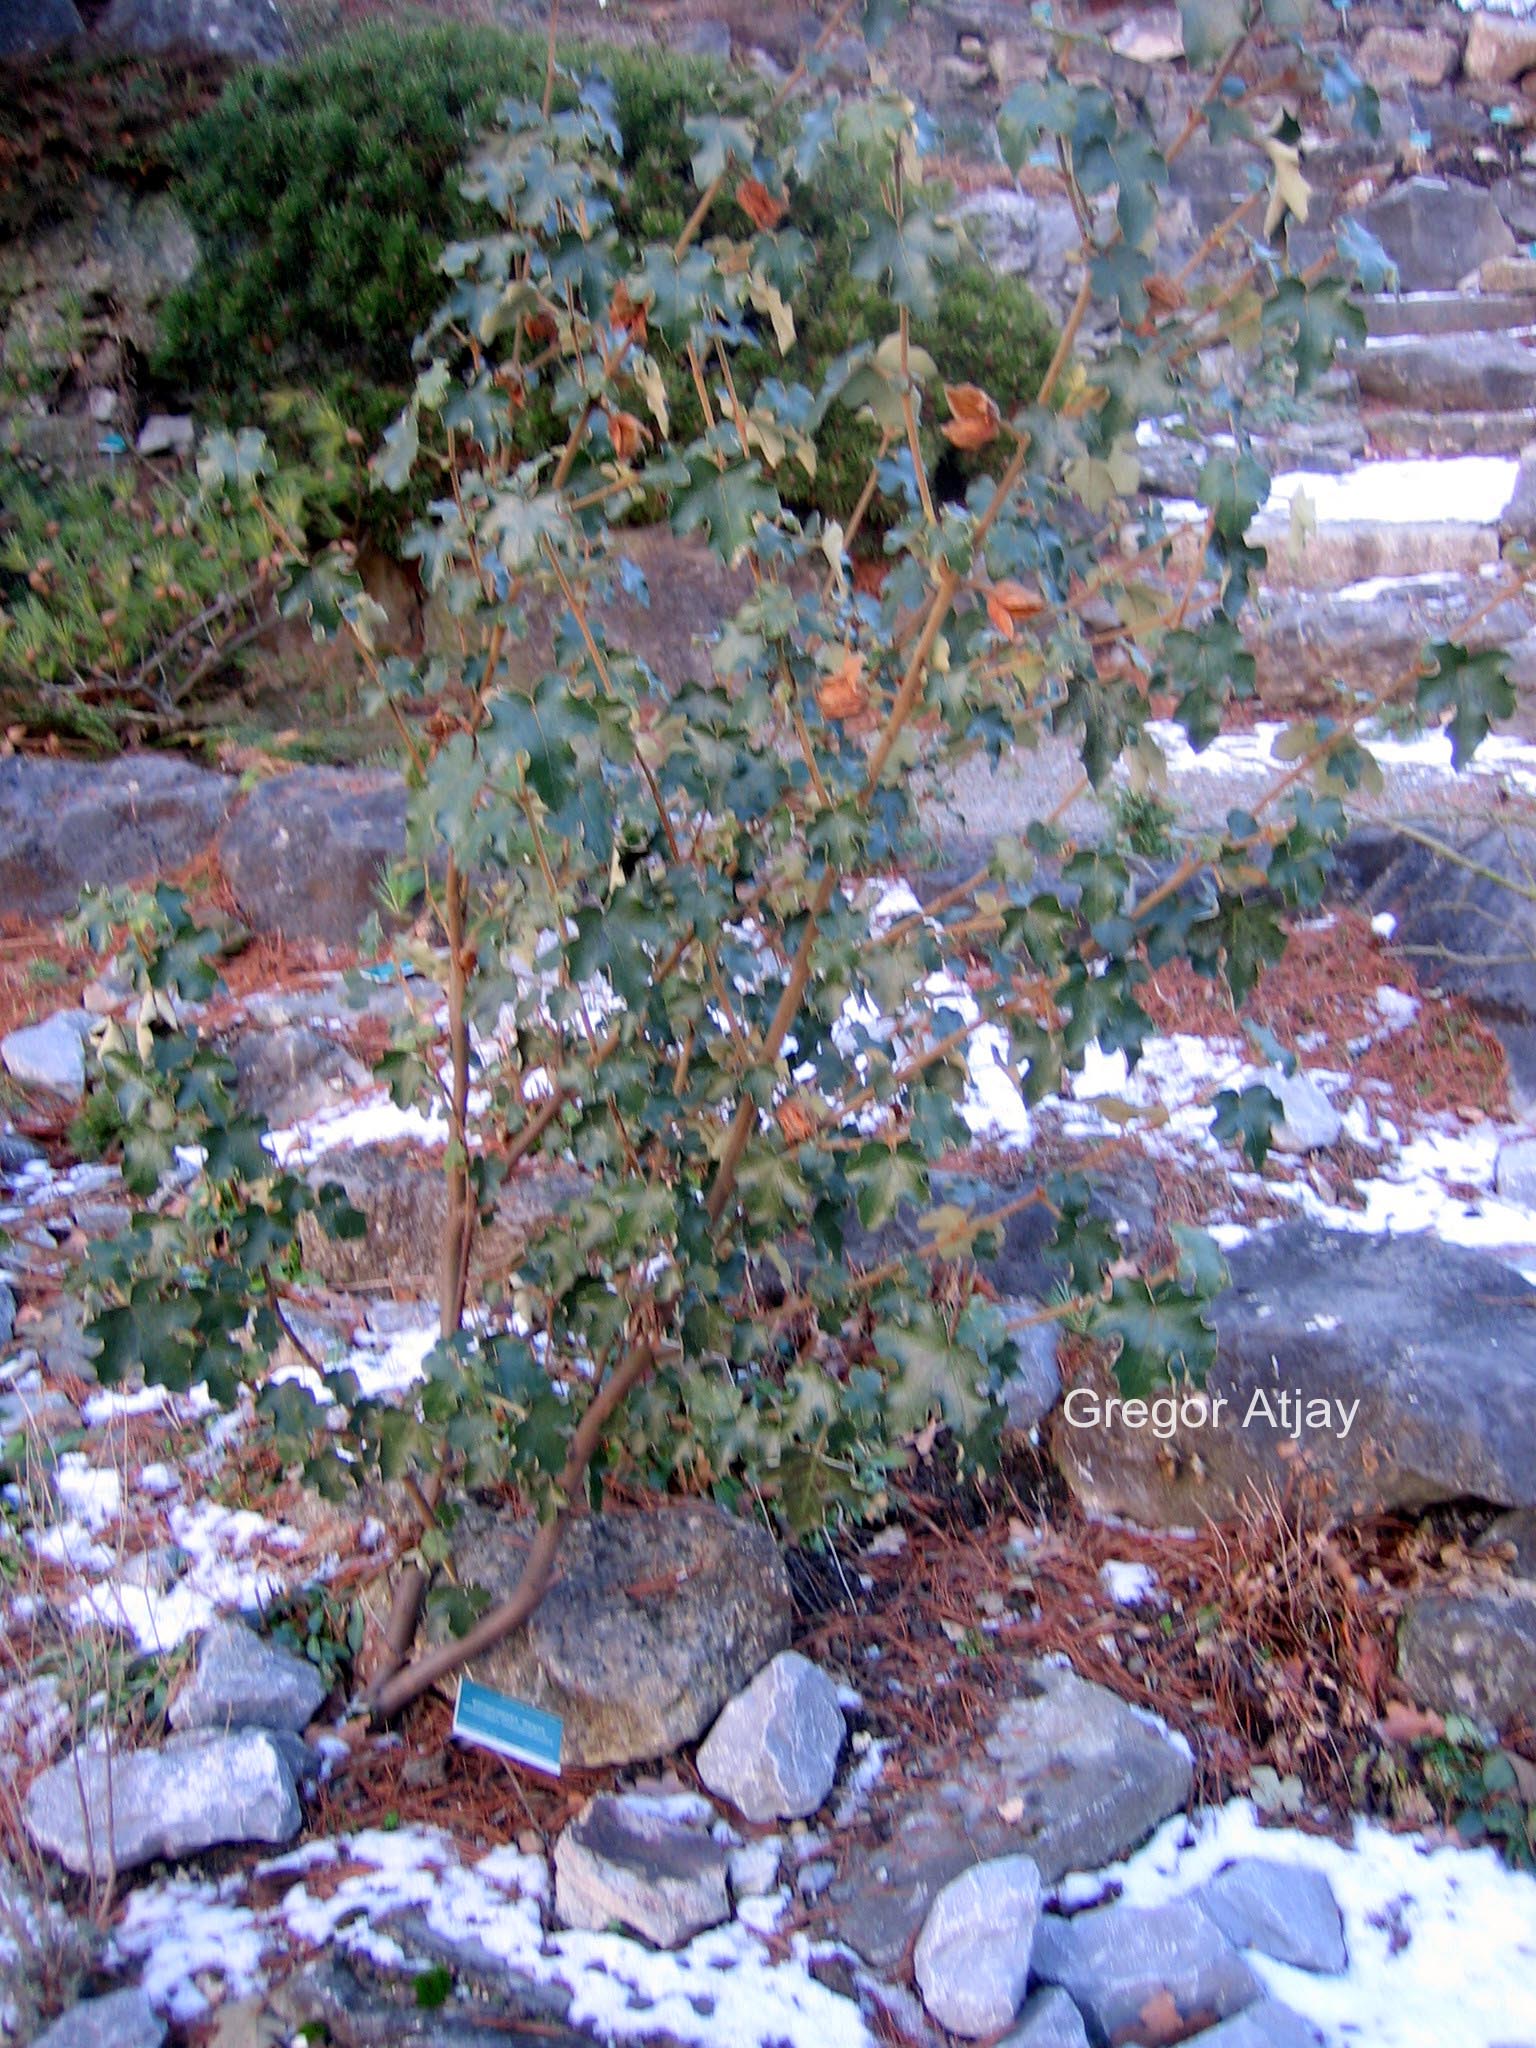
<point x="1008" y="602"/>
<point x="624" y="313"/>
<point x="627" y="434"/>
<point x="1164" y="293"/>
<point x="1402" y="1723"/>
<point x="761" y="206"/>
<point x="796" y="1121"/>
<point x="974" y="417"/>
<point x="845" y="694"/>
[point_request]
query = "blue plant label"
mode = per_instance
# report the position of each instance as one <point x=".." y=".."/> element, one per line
<point x="509" y="1727"/>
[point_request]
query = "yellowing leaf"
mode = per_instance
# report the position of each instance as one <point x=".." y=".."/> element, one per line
<point x="1289" y="191"/>
<point x="974" y="417"/>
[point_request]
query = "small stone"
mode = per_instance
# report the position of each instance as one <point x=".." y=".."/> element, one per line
<point x="773" y="1752"/>
<point x="647" y="1863"/>
<point x="50" y="1055"/>
<point x="191" y="1794"/>
<point x="165" y="433"/>
<point x="17" y="1152"/>
<point x="1049" y="2020"/>
<point x="1311" y="1123"/>
<point x="1153" y="38"/>
<point x="754" y="1867"/>
<point x="1517" y="1530"/>
<point x="101" y="404"/>
<point x="972" y="1957"/>
<point x="123" y="2019"/>
<point x="813" y="1878"/>
<point x="243" y="1682"/>
<point x="7" y="1313"/>
<point x="1472" y="1653"/>
<point x="1281" y="1909"/>
<point x="1115" y="1959"/>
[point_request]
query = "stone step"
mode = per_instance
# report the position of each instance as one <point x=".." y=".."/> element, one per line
<point x="1405" y="430"/>
<point x="1437" y="313"/>
<point x="1450" y="373"/>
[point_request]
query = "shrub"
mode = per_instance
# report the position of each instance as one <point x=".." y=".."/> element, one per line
<point x="651" y="939"/>
<point x="324" y="191"/>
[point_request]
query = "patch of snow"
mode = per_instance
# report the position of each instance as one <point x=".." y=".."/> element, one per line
<point x="723" y="1990"/>
<point x="1372" y="587"/>
<point x="1463" y="489"/>
<point x="376" y="1121"/>
<point x="92" y="1493"/>
<point x="222" y="1576"/>
<point x="1126" y="1583"/>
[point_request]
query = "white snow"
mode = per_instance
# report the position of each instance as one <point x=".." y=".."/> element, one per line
<point x="1127" y="1584"/>
<point x="225" y="1573"/>
<point x="1466" y="1973"/>
<point x="1252" y="752"/>
<point x="1458" y="489"/>
<point x="723" y="1990"/>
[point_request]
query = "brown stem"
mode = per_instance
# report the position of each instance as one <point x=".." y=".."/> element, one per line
<point x="549" y="58"/>
<point x="459" y="1223"/>
<point x="401" y="1687"/>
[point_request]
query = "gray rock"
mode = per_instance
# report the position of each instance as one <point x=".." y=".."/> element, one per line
<point x="754" y="1867"/>
<point x="1436" y="1344"/>
<point x="1265" y="2024"/>
<point x="1452" y="372"/>
<point x="50" y="1055"/>
<point x="1499" y="48"/>
<point x="1311" y="1123"/>
<point x="1518" y="1531"/>
<point x="1034" y="1387"/>
<point x="1113" y="1960"/>
<point x="649" y="1864"/>
<point x="305" y="851"/>
<point x="1514" y="1171"/>
<point x="36" y="1410"/>
<point x="165" y="433"/>
<point x="1049" y="2020"/>
<point x="123" y="2019"/>
<point x="1068" y="1776"/>
<point x="656" y="1619"/>
<point x="1281" y="1909"/>
<point x="17" y="1152"/>
<point x="972" y="1957"/>
<point x="232" y="28"/>
<point x="773" y="1752"/>
<point x="705" y="39"/>
<point x="284" y="1075"/>
<point x="1518" y="519"/>
<point x="1467" y="922"/>
<point x="191" y="1794"/>
<point x="240" y="1681"/>
<point x="29" y="27"/>
<point x="72" y="825"/>
<point x="1436" y="230"/>
<point x="1472" y="1653"/>
<point x="1405" y="56"/>
<point x="7" y="1313"/>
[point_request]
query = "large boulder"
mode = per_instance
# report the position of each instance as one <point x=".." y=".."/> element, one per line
<point x="101" y="1814"/>
<point x="242" y="1681"/>
<point x="1500" y="47"/>
<point x="1283" y="1910"/>
<point x="1467" y="920"/>
<point x="1390" y="1372"/>
<point x="1437" y="230"/>
<point x="1472" y="1653"/>
<point x="653" y="1622"/>
<point x="229" y="28"/>
<point x="72" y="825"/>
<point x="50" y="1055"/>
<point x="1068" y="1775"/>
<point x="29" y="27"/>
<point x="122" y="2019"/>
<point x="304" y="853"/>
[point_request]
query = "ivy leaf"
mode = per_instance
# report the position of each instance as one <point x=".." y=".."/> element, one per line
<point x="1317" y="320"/>
<point x="1475" y="688"/>
<point x="1232" y="486"/>
<point x="883" y="1177"/>
<point x="727" y="504"/>
<point x="718" y="140"/>
<point x="1248" y="1120"/>
<point x="1162" y="1333"/>
<point x="1363" y="255"/>
<point x="1211" y="27"/>
<point x="879" y="18"/>
<point x="391" y="467"/>
<point x="1031" y="111"/>
<point x="908" y="254"/>
<point x="929" y="1374"/>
